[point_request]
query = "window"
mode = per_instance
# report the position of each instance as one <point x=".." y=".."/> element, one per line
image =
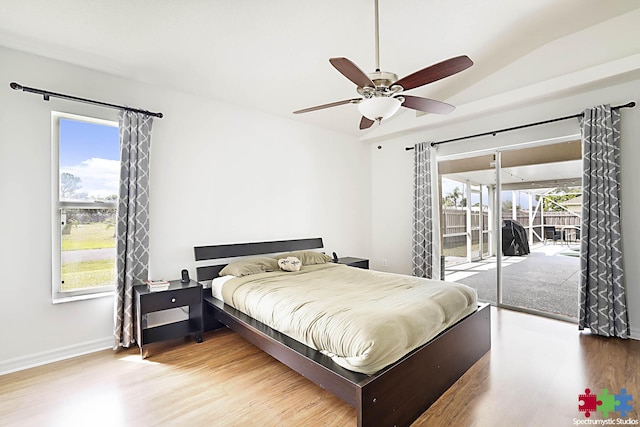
<point x="86" y="170"/>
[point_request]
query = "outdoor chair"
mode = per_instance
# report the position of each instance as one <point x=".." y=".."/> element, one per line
<point x="567" y="234"/>
<point x="571" y="234"/>
<point x="550" y="233"/>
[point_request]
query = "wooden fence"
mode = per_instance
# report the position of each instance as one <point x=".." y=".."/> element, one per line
<point x="455" y="221"/>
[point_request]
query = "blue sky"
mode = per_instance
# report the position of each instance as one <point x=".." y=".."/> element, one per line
<point x="91" y="152"/>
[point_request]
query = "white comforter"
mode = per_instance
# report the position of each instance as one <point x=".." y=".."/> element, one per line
<point x="363" y="319"/>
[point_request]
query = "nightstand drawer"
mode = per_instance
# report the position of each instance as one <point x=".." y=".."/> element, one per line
<point x="156" y="301"/>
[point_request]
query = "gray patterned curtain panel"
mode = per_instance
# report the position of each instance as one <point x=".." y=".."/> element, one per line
<point x="603" y="305"/>
<point x="426" y="224"/>
<point x="133" y="220"/>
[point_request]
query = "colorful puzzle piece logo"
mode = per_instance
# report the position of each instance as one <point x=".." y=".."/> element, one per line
<point x="622" y="403"/>
<point x="587" y="402"/>
<point x="604" y="402"/>
<point x="607" y="403"/>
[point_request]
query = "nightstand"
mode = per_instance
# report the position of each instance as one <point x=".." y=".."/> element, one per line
<point x="177" y="295"/>
<point x="354" y="262"/>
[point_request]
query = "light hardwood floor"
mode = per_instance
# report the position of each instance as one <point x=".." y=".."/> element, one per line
<point x="531" y="377"/>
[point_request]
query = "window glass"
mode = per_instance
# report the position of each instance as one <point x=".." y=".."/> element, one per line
<point x="88" y="248"/>
<point x="89" y="161"/>
<point x="88" y="168"/>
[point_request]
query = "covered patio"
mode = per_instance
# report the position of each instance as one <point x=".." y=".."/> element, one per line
<point x="545" y="280"/>
<point x="535" y="185"/>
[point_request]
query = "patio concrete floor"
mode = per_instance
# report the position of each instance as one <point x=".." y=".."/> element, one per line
<point x="545" y="280"/>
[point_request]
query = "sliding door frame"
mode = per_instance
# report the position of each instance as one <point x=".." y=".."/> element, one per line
<point x="495" y="218"/>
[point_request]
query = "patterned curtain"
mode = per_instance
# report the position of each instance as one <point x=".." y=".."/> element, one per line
<point x="133" y="220"/>
<point x="603" y="305"/>
<point x="426" y="218"/>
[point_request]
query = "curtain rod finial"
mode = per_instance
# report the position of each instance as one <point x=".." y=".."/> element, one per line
<point x="15" y="86"/>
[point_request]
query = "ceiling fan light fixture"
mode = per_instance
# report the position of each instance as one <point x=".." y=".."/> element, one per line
<point x="379" y="107"/>
<point x="382" y="94"/>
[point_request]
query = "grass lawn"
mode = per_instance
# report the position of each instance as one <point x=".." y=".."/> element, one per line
<point x="95" y="235"/>
<point x="91" y="272"/>
<point x="88" y="274"/>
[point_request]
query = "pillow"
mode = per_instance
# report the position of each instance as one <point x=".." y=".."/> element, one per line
<point x="249" y="266"/>
<point x="216" y="286"/>
<point x="290" y="264"/>
<point x="307" y="257"/>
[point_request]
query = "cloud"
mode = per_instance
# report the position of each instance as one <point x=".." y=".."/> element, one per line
<point x="99" y="177"/>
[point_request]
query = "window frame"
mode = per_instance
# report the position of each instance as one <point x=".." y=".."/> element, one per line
<point x="57" y="206"/>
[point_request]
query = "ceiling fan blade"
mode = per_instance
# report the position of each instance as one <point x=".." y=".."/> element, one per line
<point x="323" y="106"/>
<point x="352" y="72"/>
<point x="435" y="72"/>
<point x="427" y="105"/>
<point x="365" y="123"/>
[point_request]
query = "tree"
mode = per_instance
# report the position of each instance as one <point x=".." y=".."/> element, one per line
<point x="69" y="184"/>
<point x="451" y="199"/>
<point x="507" y="206"/>
<point x="556" y="198"/>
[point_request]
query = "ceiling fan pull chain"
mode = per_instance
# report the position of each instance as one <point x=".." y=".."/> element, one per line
<point x="377" y="37"/>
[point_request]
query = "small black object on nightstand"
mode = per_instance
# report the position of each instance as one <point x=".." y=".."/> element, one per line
<point x="185" y="276"/>
<point x="335" y="257"/>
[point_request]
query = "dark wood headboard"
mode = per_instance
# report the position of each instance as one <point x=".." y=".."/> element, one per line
<point x="203" y="253"/>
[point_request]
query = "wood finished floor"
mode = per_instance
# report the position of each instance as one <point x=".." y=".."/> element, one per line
<point x="531" y="377"/>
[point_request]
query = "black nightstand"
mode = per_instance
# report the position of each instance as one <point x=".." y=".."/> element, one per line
<point x="178" y="295"/>
<point x="354" y="262"/>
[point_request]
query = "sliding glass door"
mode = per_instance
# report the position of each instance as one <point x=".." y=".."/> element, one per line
<point x="495" y="239"/>
<point x="467" y="234"/>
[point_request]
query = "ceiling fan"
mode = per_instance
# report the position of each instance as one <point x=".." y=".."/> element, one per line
<point x="382" y="94"/>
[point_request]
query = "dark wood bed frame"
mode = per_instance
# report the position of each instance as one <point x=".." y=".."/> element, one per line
<point x="395" y="396"/>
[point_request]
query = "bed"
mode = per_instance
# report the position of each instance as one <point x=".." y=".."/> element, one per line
<point x="383" y="393"/>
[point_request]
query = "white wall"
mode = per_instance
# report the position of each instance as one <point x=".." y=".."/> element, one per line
<point x="392" y="169"/>
<point x="219" y="174"/>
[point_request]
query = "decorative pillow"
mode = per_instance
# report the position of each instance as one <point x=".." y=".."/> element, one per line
<point x="290" y="264"/>
<point x="250" y="266"/>
<point x="307" y="257"/>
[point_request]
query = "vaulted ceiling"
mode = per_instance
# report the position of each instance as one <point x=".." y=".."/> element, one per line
<point x="273" y="56"/>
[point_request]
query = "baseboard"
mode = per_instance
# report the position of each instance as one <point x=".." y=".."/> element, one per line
<point x="634" y="333"/>
<point x="62" y="353"/>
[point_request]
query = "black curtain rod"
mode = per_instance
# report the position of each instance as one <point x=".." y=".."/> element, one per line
<point x="494" y="132"/>
<point x="46" y="94"/>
